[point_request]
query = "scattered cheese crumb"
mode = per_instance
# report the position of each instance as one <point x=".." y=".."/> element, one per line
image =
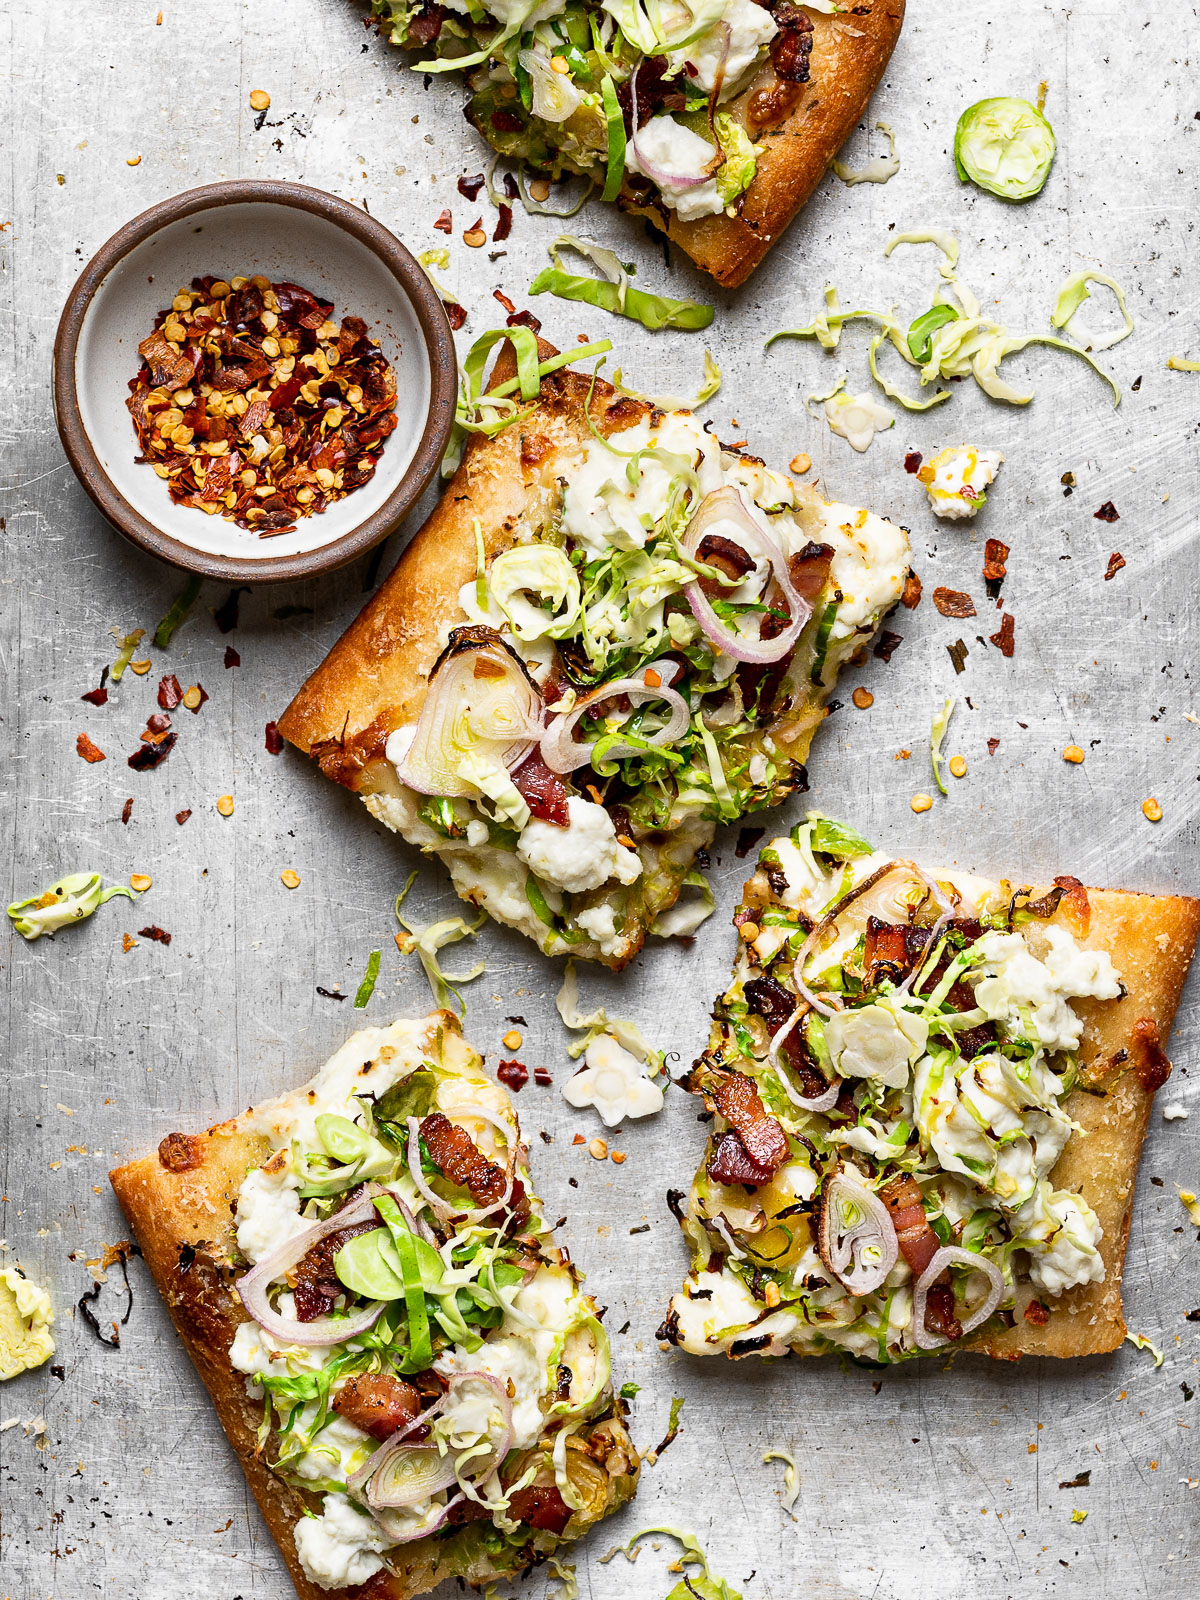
<point x="1174" y="1112"/>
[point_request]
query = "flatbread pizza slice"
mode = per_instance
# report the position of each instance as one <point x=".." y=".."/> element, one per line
<point x="930" y="1093"/>
<point x="405" y="1363"/>
<point x="612" y="634"/>
<point x="715" y="119"/>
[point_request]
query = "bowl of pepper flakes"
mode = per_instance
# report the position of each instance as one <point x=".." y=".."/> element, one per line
<point x="254" y="381"/>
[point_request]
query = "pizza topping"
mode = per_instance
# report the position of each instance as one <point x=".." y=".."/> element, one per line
<point x="955" y="481"/>
<point x="377" y="1403"/>
<point x="26" y="1316"/>
<point x="459" y="1159"/>
<point x="857" y="1241"/>
<point x="737" y="1099"/>
<point x="613" y="1080"/>
<point x="181" y="1152"/>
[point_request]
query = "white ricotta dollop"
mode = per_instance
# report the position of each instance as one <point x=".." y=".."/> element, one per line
<point x="1061" y="1232"/>
<point x="254" y="1351"/>
<point x="268" y="1210"/>
<point x="729" y="1305"/>
<point x="1012" y="985"/>
<point x="870" y="560"/>
<point x="581" y="856"/>
<point x="613" y="1081"/>
<point x="960" y="474"/>
<point x="676" y="154"/>
<point x="340" y="1547"/>
<point x="599" y="923"/>
<point x="747" y="26"/>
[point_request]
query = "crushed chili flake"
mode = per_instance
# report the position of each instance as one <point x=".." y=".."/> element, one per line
<point x="525" y="319"/>
<point x="469" y="187"/>
<point x="445" y="222"/>
<point x="1115" y="562"/>
<point x="169" y="692"/>
<point x="226" y="614"/>
<point x="99" y="697"/>
<point x="182" y="816"/>
<point x="127" y="810"/>
<point x="252" y="403"/>
<point x="274" y="739"/>
<point x="514" y="1074"/>
<point x="89" y="751"/>
<point x="156" y="728"/>
<point x="912" y="461"/>
<point x="1107" y="513"/>
<point x="232" y="659"/>
<point x="504" y="226"/>
<point x="509" y="185"/>
<point x="953" y="602"/>
<point x="152" y="755"/>
<point x="958" y="653"/>
<point x="456" y="313"/>
<point x="127" y="942"/>
<point x="475" y="236"/>
<point x="887" y="644"/>
<point x="1003" y="638"/>
<point x="541" y="1076"/>
<point x="993" y="746"/>
<point x="159" y="935"/>
<point x="910" y="597"/>
<point x="995" y="569"/>
<point x="499" y="294"/>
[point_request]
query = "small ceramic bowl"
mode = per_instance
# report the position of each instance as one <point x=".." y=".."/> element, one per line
<point x="288" y="233"/>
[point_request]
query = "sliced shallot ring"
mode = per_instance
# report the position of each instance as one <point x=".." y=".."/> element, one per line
<point x="252" y="1287"/>
<point x="821" y="1102"/>
<point x="822" y="927"/>
<point x="838" y="1254"/>
<point x="563" y="754"/>
<point x="953" y="1255"/>
<point x="372" y="1464"/>
<point x="946" y="909"/>
<point x="727" y="504"/>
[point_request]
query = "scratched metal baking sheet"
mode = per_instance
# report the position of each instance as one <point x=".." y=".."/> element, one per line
<point x="914" y="1482"/>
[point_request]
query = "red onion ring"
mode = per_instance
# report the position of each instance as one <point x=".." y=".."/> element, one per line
<point x="823" y="926"/>
<point x="563" y="754"/>
<point x="953" y="1255"/>
<point x="252" y="1288"/>
<point x="726" y="504"/>
<point x="675" y="182"/>
<point x="837" y="1250"/>
<point x="822" y="1102"/>
<point x="372" y="1464"/>
<point x="946" y="908"/>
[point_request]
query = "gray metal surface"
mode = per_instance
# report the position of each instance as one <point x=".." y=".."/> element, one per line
<point x="915" y="1482"/>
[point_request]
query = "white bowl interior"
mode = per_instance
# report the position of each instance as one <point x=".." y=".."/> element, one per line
<point x="285" y="244"/>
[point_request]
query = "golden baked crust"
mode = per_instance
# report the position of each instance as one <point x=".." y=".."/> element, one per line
<point x="1151" y="940"/>
<point x="179" y="1203"/>
<point x="850" y="52"/>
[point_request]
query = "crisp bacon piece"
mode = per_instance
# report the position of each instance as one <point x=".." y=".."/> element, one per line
<point x="377" y="1403"/>
<point x="181" y="1152"/>
<point x="543" y="791"/>
<point x="736" y="1098"/>
<point x="917" y="1240"/>
<point x="453" y="1151"/>
<point x="541" y="1506"/>
<point x="314" y="1277"/>
<point x="424" y="28"/>
<point x="809" y="569"/>
<point x="1036" y="1313"/>
<point x="792" y="45"/>
<point x="995" y="569"/>
<point x="885" y="952"/>
<point x="911" y="597"/>
<point x="733" y="1164"/>
<point x="655" y="91"/>
<point x="940" y="1314"/>
<point x="727" y="557"/>
<point x="1150" y="1061"/>
<point x="772" y="1002"/>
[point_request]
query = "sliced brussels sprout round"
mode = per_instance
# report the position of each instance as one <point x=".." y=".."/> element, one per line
<point x="1005" y="146"/>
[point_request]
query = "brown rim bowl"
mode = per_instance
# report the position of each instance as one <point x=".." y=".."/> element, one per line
<point x="286" y="232"/>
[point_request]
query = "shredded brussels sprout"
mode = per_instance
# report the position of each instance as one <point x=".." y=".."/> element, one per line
<point x="1071" y="295"/>
<point x="1140" y="1341"/>
<point x="613" y="291"/>
<point x="937" y="733"/>
<point x="1005" y="146"/>
<point x="791" y="1476"/>
<point x="180" y="606"/>
<point x="71" y="899"/>
<point x="129" y="643"/>
<point x="425" y="942"/>
<point x="367" y="987"/>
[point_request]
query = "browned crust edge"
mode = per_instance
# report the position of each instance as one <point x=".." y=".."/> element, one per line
<point x="850" y="53"/>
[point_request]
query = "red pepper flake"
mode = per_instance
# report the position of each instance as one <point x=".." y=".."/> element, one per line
<point x="159" y="935"/>
<point x="182" y="816"/>
<point x="152" y="755"/>
<point x="887" y="644"/>
<point x="504" y="226"/>
<point x="499" y="294"/>
<point x="456" y="313"/>
<point x="1107" y="513"/>
<point x="99" y="697"/>
<point x="1115" y="562"/>
<point x="953" y="602"/>
<point x="910" y="598"/>
<point x="89" y="751"/>
<point x="525" y="319"/>
<point x="505" y="121"/>
<point x="509" y="185"/>
<point x="127" y="810"/>
<point x="912" y="461"/>
<point x="232" y="659"/>
<point x="995" y="570"/>
<point x="445" y="223"/>
<point x="469" y="187"/>
<point x="958" y="653"/>
<point x="169" y="692"/>
<point x="513" y="1074"/>
<point x="156" y="728"/>
<point x="542" y="1077"/>
<point x="1036" y="1313"/>
<point x="226" y="614"/>
<point x="274" y="739"/>
<point x="1003" y="639"/>
<point x="993" y="746"/>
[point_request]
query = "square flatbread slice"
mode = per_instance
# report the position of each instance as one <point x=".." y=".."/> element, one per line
<point x="469" y="1319"/>
<point x="930" y="1096"/>
<point x="594" y="496"/>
